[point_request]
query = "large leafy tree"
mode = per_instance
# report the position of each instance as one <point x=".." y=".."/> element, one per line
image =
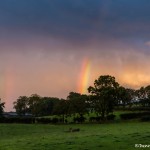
<point x="47" y="105"/>
<point x="21" y="105"/>
<point x="61" y="108"/>
<point x="147" y="89"/>
<point x="2" y="106"/>
<point x="77" y="103"/>
<point x="35" y="104"/>
<point x="104" y="94"/>
<point x="125" y="96"/>
<point x="143" y="95"/>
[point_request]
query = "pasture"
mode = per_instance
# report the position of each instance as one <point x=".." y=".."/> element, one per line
<point x="110" y="136"/>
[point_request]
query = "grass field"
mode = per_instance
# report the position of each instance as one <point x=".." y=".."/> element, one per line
<point x="114" y="136"/>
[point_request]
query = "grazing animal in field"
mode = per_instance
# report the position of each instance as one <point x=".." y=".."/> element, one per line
<point x="74" y="130"/>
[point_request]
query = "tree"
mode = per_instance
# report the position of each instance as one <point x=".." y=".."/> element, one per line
<point x="142" y="95"/>
<point x="77" y="103"/>
<point x="61" y="108"/>
<point x="104" y="94"/>
<point x="21" y="105"/>
<point x="47" y="105"/>
<point x="2" y="106"/>
<point x="35" y="104"/>
<point x="125" y="96"/>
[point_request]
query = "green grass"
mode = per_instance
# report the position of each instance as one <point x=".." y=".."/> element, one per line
<point x="114" y="136"/>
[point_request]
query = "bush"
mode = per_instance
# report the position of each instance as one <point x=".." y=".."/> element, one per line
<point x="92" y="119"/>
<point x="2" y="119"/>
<point x="43" y="120"/>
<point x="55" y="120"/>
<point x="133" y="109"/>
<point x="26" y="120"/>
<point x="95" y="119"/>
<point x="80" y="119"/>
<point x="17" y="120"/>
<point x="111" y="117"/>
<point x="145" y="118"/>
<point x="127" y="116"/>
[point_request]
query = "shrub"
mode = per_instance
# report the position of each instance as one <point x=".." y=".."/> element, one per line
<point x="92" y="119"/>
<point x="111" y="117"/>
<point x="43" y="120"/>
<point x="2" y="119"/>
<point x="25" y="120"/>
<point x="79" y="119"/>
<point x="127" y="116"/>
<point x="95" y="119"/>
<point x="55" y="120"/>
<point x="145" y="118"/>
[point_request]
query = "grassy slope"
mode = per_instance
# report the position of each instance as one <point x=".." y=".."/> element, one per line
<point x="92" y="136"/>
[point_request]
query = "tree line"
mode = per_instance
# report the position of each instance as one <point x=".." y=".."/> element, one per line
<point x="104" y="96"/>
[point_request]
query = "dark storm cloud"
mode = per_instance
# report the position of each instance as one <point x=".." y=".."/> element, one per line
<point x="76" y="20"/>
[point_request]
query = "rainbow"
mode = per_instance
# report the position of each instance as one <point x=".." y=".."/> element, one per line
<point x="7" y="82"/>
<point x="84" y="76"/>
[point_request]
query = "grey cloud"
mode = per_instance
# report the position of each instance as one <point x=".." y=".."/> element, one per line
<point x="77" y="21"/>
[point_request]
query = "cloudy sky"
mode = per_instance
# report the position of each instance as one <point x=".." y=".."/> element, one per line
<point x="45" y="44"/>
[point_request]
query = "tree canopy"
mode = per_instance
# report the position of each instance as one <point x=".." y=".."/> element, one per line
<point x="2" y="106"/>
<point x="104" y="94"/>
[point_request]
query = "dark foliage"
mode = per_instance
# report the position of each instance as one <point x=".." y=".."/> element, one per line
<point x="145" y="118"/>
<point x="2" y="106"/>
<point x="104" y="95"/>
<point x="133" y="115"/>
<point x="43" y="120"/>
<point x="55" y="120"/>
<point x="111" y="117"/>
<point x="80" y="119"/>
<point x="95" y="119"/>
<point x="17" y="120"/>
<point x="35" y="105"/>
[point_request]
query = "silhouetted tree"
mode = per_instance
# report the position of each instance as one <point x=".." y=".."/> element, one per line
<point x="61" y="108"/>
<point x="2" y="106"/>
<point x="142" y="96"/>
<point x="47" y="105"/>
<point x="104" y="94"/>
<point x="77" y="103"/>
<point x="35" y="104"/>
<point x="21" y="105"/>
<point x="131" y="96"/>
<point x="125" y="96"/>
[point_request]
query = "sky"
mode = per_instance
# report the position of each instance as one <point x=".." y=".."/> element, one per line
<point x="53" y="47"/>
